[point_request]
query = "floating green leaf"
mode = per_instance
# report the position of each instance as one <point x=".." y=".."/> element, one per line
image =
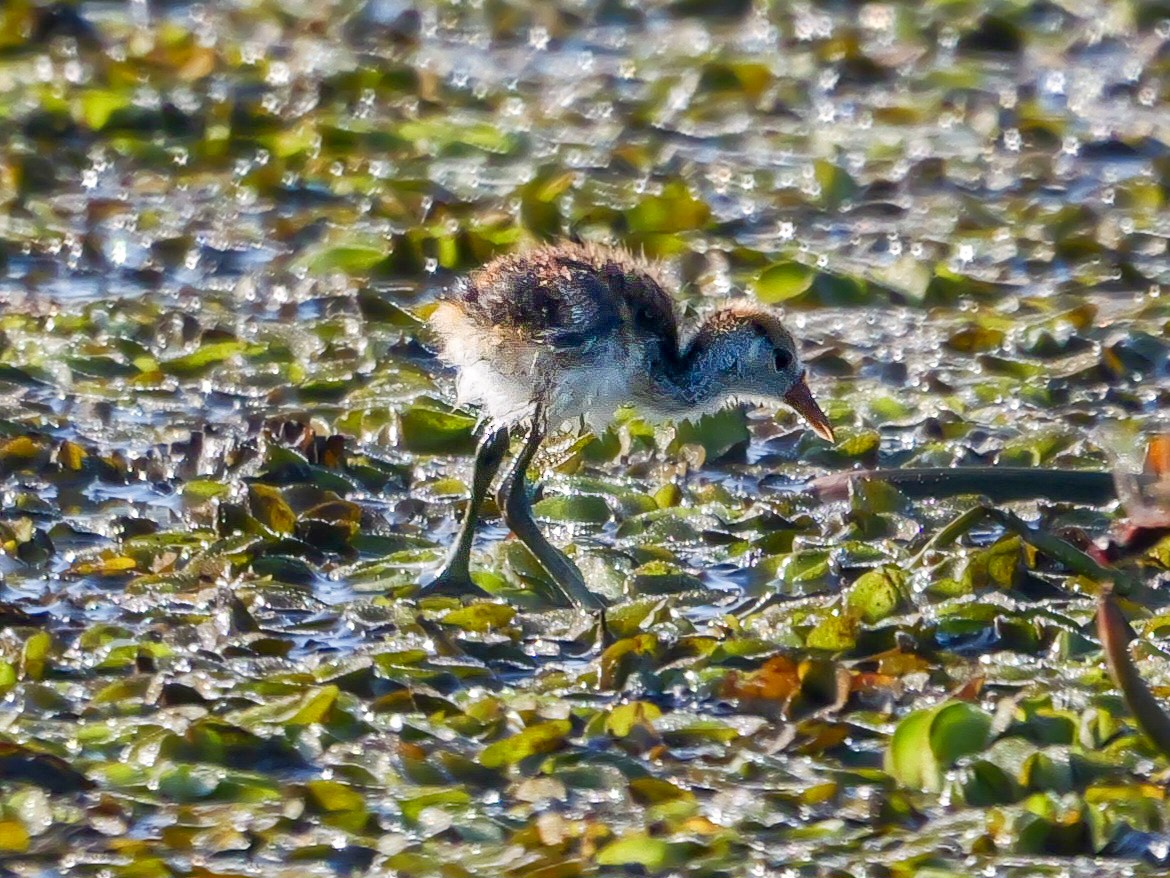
<point x="428" y="430"/>
<point x="585" y="508"/>
<point x="928" y="742"/>
<point x="878" y="594"/>
<point x="480" y="617"/>
<point x="533" y="741"/>
<point x="781" y="281"/>
<point x="348" y="258"/>
<point x="202" y="360"/>
<point x="636" y="849"/>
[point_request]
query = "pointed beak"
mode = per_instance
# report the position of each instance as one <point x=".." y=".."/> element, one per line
<point x="801" y="399"/>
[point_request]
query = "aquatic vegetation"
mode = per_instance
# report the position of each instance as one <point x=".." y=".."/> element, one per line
<point x="227" y="453"/>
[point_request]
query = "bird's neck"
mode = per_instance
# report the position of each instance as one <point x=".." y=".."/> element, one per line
<point x="696" y="379"/>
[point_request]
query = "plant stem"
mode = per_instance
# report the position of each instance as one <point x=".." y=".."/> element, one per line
<point x="998" y="483"/>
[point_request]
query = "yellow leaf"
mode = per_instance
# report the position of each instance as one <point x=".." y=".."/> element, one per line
<point x="316" y="706"/>
<point x="20" y="450"/>
<point x="70" y="455"/>
<point x="270" y="509"/>
<point x="13" y="836"/>
<point x="200" y="63"/>
<point x="98" y="105"/>
<point x="623" y="718"/>
<point x="105" y="566"/>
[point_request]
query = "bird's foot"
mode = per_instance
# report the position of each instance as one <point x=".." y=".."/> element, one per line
<point x="450" y="582"/>
<point x="568" y="578"/>
<point x="605" y="637"/>
<point x="584" y="597"/>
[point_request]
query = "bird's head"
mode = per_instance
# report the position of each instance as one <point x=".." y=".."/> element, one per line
<point x="748" y="353"/>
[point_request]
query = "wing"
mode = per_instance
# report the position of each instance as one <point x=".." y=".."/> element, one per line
<point x="544" y="297"/>
<point x="573" y="297"/>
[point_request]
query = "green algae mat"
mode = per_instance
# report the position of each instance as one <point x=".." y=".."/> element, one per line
<point x="227" y="453"/>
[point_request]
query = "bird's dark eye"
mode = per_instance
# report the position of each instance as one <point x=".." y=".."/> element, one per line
<point x="783" y="359"/>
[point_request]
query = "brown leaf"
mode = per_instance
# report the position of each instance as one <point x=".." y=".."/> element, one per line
<point x="776" y="680"/>
<point x="970" y="690"/>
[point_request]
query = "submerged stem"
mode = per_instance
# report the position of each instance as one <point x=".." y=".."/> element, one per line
<point x="998" y="483"/>
<point x="1115" y="637"/>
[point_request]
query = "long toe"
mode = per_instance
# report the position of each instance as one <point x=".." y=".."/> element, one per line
<point x="585" y="596"/>
<point x="450" y="582"/>
<point x="568" y="576"/>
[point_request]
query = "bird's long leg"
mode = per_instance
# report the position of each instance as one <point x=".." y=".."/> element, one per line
<point x="455" y="576"/>
<point x="516" y="504"/>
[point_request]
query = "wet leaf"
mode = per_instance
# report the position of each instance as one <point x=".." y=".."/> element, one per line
<point x="21" y="451"/>
<point x="584" y="508"/>
<point x="878" y="594"/>
<point x="71" y="456"/>
<point x="433" y="431"/>
<point x="98" y="105"/>
<point x="270" y="508"/>
<point x="675" y="210"/>
<point x="113" y="565"/>
<point x="22" y="765"/>
<point x="836" y="632"/>
<point x="14" y="837"/>
<point x="355" y="259"/>
<point x="776" y="680"/>
<point x="928" y="742"/>
<point x="636" y="849"/>
<point x="781" y="281"/>
<point x="315" y="707"/>
<point x="202" y="360"/>
<point x="533" y="741"/>
<point x="35" y="655"/>
<point x="328" y="795"/>
<point x="719" y="434"/>
<point x="836" y="185"/>
<point x="480" y="617"/>
<point x="625" y="717"/>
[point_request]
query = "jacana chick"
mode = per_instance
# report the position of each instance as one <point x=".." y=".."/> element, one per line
<point x="574" y="331"/>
